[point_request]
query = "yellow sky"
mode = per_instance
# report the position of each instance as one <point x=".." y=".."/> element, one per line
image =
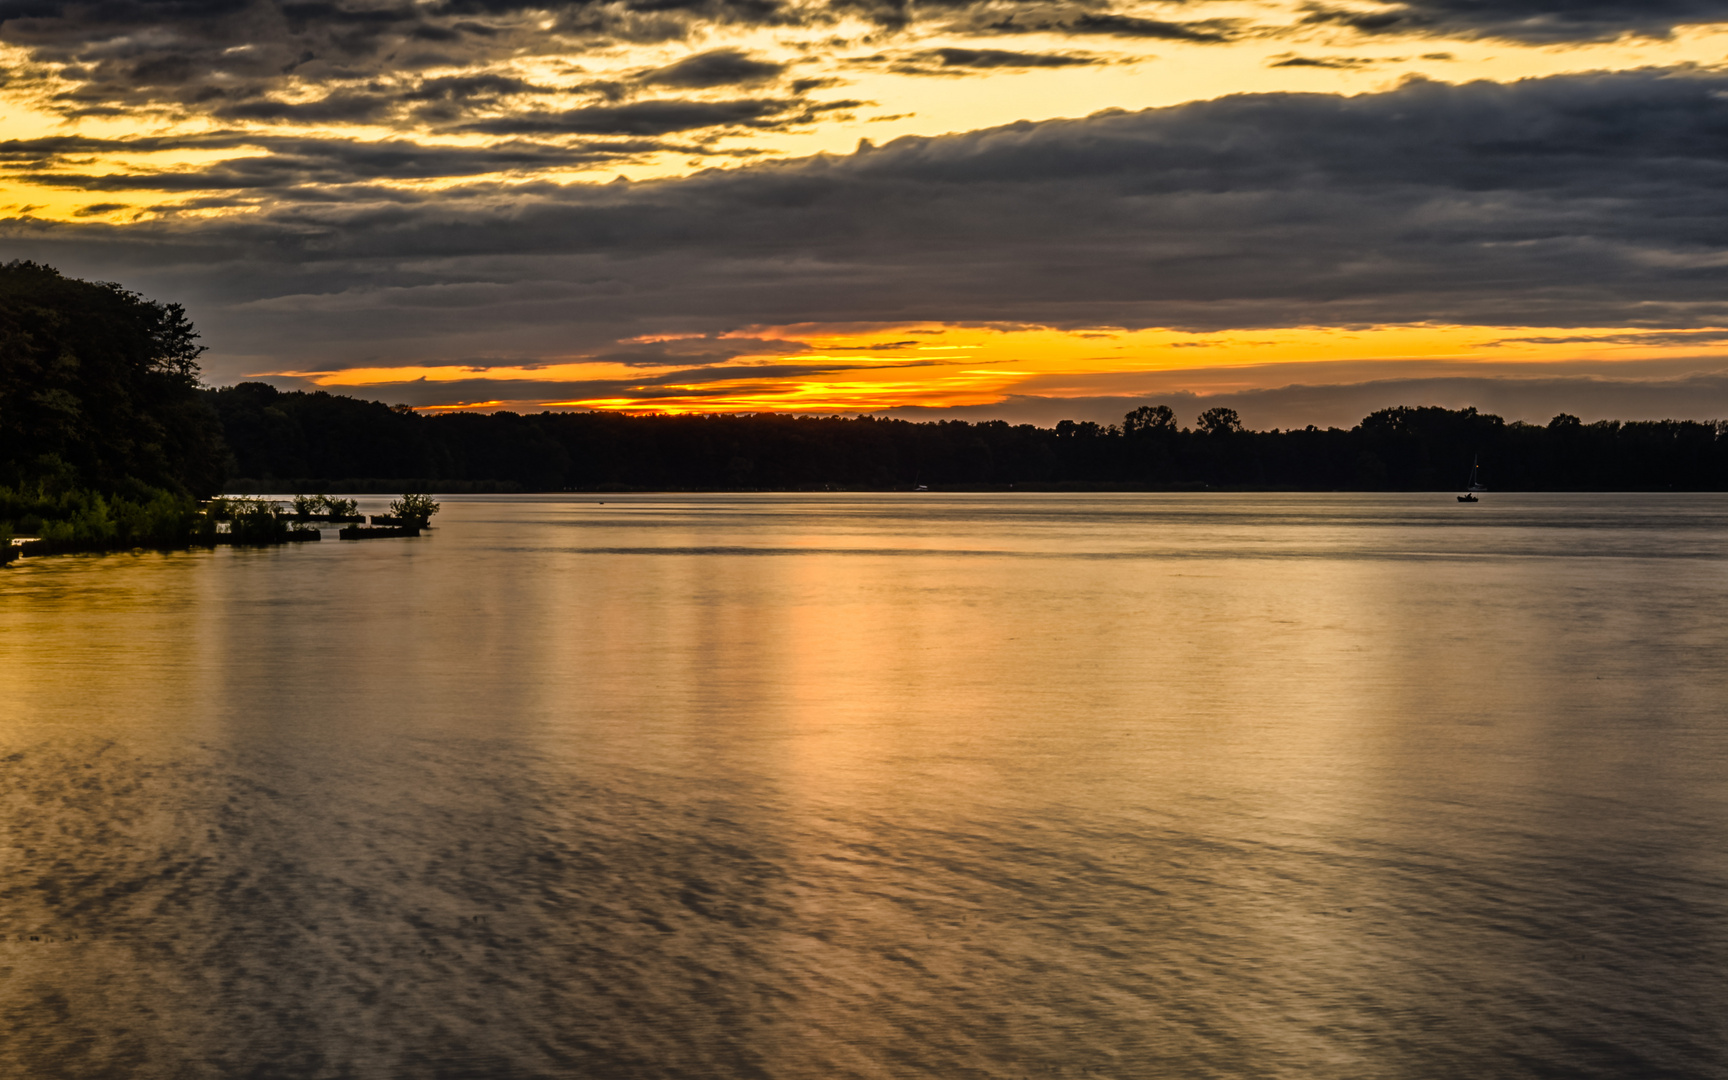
<point x="880" y="367"/>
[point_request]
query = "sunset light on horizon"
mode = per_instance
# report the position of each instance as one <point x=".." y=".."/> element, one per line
<point x="718" y="207"/>
<point x="854" y="369"/>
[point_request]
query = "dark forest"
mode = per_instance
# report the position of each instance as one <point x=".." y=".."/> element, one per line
<point x="303" y="441"/>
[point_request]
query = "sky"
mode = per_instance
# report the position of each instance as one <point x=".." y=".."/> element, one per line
<point x="1019" y="209"/>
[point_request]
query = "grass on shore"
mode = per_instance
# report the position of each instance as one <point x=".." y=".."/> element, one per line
<point x="77" y="519"/>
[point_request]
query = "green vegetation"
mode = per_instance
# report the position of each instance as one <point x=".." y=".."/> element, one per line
<point x="250" y="520"/>
<point x="78" y="519"/>
<point x="414" y="511"/>
<point x="306" y="506"/>
<point x="99" y="391"/>
<point x="105" y="438"/>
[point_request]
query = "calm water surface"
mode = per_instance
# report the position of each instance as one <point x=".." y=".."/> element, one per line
<point x="880" y="786"/>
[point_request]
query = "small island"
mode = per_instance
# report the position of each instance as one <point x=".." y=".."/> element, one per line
<point x="408" y="515"/>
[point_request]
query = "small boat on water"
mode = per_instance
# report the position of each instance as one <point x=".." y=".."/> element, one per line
<point x="1475" y="484"/>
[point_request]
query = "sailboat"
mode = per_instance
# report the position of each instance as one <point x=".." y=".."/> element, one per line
<point x="1475" y="481"/>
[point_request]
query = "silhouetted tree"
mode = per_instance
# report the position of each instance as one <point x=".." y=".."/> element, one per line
<point x="1150" y="420"/>
<point x="99" y="390"/>
<point x="1219" y="421"/>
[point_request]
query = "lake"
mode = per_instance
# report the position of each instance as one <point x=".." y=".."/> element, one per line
<point x="898" y="785"/>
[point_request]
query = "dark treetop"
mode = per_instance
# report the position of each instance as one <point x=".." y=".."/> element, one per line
<point x="285" y="440"/>
<point x="99" y="391"/>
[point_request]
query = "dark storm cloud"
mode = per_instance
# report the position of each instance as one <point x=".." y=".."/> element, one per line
<point x="471" y="88"/>
<point x="693" y="353"/>
<point x="717" y="67"/>
<point x="239" y="56"/>
<point x="1591" y="200"/>
<point x="650" y="118"/>
<point x="1341" y="63"/>
<point x="252" y="59"/>
<point x="232" y="57"/>
<point x="748" y="12"/>
<point x="1097" y="24"/>
<point x="1649" y="337"/>
<point x="312" y="165"/>
<point x="1528" y="21"/>
<point x="956" y="61"/>
<point x="334" y="109"/>
<point x="450" y="99"/>
<point x="255" y="62"/>
<point x="714" y="382"/>
<point x="124" y="11"/>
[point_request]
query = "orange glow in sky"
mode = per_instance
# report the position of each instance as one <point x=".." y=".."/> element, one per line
<point x="872" y="368"/>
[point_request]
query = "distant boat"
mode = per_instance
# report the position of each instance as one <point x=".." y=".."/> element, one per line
<point x="1475" y="482"/>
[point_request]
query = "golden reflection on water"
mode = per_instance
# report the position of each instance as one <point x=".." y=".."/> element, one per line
<point x="806" y="786"/>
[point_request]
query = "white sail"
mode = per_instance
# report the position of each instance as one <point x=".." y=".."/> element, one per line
<point x="1475" y="476"/>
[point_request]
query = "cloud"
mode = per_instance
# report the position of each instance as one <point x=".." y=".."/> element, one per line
<point x="958" y="61"/>
<point x="716" y="383"/>
<point x="1649" y="337"/>
<point x="650" y="118"/>
<point x="323" y="62"/>
<point x="1532" y="399"/>
<point x="471" y="87"/>
<point x="1573" y="201"/>
<point x="1537" y="22"/>
<point x="1701" y="395"/>
<point x="258" y="59"/>
<point x="298" y="168"/>
<point x="130" y="52"/>
<point x="1341" y="63"/>
<point x="1083" y="23"/>
<point x="341" y="108"/>
<point x="717" y="67"/>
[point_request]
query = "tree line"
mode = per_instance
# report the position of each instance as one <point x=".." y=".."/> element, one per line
<point x="108" y="437"/>
<point x="280" y="439"/>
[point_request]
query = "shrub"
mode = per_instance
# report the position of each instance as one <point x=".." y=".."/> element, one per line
<point x="414" y="511"/>
<point x="78" y="518"/>
<point x="307" y="505"/>
<point x="256" y="521"/>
